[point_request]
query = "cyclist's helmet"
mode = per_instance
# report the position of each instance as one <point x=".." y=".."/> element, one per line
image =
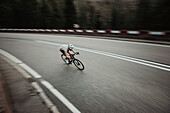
<point x="70" y="46"/>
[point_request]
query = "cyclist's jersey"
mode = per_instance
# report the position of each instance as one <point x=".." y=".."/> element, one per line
<point x="64" y="47"/>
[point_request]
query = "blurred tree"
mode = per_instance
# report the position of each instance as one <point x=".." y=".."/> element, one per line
<point x="97" y="20"/>
<point x="56" y="20"/>
<point x="46" y="14"/>
<point x="121" y="20"/>
<point x="114" y="16"/>
<point x="129" y="19"/>
<point x="143" y="15"/>
<point x="25" y="13"/>
<point x="82" y="18"/>
<point x="6" y="13"/>
<point x="91" y="17"/>
<point x="70" y="14"/>
<point x="162" y="15"/>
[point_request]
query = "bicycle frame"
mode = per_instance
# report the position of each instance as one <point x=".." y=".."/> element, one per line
<point x="76" y="62"/>
<point x="72" y="57"/>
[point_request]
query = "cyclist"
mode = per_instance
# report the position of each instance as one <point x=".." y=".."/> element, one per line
<point x="65" y="49"/>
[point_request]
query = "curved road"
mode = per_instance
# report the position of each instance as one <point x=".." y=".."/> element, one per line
<point x="119" y="76"/>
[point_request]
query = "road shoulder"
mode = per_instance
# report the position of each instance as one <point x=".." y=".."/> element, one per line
<point x="23" y="97"/>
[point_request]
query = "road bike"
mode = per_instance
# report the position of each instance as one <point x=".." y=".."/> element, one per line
<point x="76" y="62"/>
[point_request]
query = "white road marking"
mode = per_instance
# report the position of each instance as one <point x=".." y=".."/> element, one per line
<point x="14" y="59"/>
<point x="39" y="90"/>
<point x="131" y="59"/>
<point x="24" y="66"/>
<point x="126" y="57"/>
<point x="60" y="96"/>
<point x="54" y="91"/>
<point x="30" y="70"/>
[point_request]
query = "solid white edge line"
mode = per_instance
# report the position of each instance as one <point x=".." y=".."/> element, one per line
<point x="60" y="96"/>
<point x="26" y="75"/>
<point x="14" y="59"/>
<point x="24" y="66"/>
<point x="30" y="70"/>
<point x="38" y="89"/>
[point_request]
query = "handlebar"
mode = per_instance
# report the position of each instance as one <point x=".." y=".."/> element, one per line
<point x="77" y="53"/>
<point x="72" y="55"/>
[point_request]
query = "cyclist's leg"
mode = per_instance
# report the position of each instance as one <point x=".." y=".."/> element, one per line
<point x="66" y="59"/>
<point x="62" y="51"/>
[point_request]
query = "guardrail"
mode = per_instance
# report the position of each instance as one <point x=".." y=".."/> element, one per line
<point x="149" y="35"/>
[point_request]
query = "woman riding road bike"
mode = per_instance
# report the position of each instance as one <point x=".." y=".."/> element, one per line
<point x="66" y="50"/>
<point x="68" y="57"/>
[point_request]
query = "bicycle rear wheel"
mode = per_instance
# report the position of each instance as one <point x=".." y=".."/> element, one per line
<point x="78" y="64"/>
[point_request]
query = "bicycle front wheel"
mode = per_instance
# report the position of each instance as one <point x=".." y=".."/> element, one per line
<point x="78" y="64"/>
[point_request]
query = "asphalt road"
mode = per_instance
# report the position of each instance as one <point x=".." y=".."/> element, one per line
<point x="119" y="76"/>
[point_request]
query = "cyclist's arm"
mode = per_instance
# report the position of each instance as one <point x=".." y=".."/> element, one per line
<point x="73" y="51"/>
